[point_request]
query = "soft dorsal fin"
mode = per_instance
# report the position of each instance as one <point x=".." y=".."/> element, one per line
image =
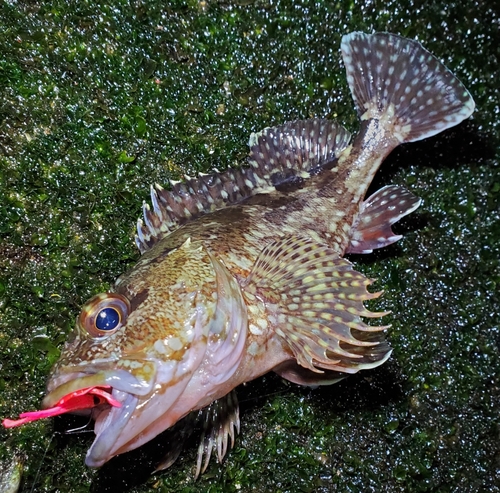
<point x="301" y="148"/>
<point x="278" y="155"/>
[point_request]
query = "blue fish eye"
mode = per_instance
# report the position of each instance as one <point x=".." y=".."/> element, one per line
<point x="107" y="319"/>
<point x="104" y="314"/>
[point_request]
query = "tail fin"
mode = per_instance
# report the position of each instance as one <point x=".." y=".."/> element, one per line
<point x="395" y="78"/>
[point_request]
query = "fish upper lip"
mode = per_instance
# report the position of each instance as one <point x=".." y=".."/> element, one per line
<point x="121" y="380"/>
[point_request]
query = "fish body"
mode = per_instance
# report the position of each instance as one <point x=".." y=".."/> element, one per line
<point x="11" y="472"/>
<point x="242" y="272"/>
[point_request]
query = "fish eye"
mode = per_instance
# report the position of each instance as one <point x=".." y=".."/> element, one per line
<point x="104" y="314"/>
<point x="107" y="319"/>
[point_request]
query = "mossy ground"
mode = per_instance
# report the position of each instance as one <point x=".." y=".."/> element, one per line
<point x="101" y="100"/>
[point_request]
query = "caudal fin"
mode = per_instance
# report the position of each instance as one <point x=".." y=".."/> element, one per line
<point x="397" y="80"/>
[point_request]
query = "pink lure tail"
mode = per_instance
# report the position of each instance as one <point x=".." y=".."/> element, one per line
<point x="80" y="399"/>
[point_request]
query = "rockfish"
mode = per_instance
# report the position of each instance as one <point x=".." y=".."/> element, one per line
<point x="242" y="272"/>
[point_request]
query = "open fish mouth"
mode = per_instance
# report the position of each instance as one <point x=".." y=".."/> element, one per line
<point x="110" y="396"/>
<point x="112" y="415"/>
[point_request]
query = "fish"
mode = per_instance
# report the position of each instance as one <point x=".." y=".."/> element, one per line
<point x="11" y="471"/>
<point x="243" y="272"/>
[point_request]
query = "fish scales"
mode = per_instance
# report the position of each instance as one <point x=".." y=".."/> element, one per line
<point x="242" y="272"/>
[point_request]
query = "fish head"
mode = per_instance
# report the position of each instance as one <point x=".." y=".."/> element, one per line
<point x="161" y="328"/>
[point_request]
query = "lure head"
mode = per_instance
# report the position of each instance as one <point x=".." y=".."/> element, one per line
<point x="149" y="341"/>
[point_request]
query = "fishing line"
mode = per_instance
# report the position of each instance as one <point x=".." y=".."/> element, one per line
<point x="80" y="429"/>
<point x="73" y="431"/>
<point x="41" y="463"/>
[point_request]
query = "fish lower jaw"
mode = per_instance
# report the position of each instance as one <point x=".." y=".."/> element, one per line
<point x="108" y="427"/>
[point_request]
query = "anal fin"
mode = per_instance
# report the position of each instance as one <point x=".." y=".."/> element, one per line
<point x="291" y="371"/>
<point x="314" y="302"/>
<point x="378" y="213"/>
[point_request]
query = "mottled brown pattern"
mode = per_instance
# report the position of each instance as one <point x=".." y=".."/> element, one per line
<point x="242" y="271"/>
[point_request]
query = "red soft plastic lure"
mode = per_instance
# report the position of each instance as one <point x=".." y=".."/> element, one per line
<point x="80" y="399"/>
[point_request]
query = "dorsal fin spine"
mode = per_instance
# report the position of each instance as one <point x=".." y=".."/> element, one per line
<point x="277" y="155"/>
<point x="154" y="201"/>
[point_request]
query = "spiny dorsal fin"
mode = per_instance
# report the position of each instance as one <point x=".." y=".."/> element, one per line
<point x="378" y="213"/>
<point x="295" y="150"/>
<point x="314" y="301"/>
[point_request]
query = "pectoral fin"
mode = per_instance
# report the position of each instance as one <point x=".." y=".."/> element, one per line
<point x="378" y="213"/>
<point x="314" y="301"/>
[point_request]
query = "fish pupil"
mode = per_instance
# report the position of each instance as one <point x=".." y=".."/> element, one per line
<point x="107" y="319"/>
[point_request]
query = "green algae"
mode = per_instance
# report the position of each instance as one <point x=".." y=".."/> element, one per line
<point x="100" y="101"/>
